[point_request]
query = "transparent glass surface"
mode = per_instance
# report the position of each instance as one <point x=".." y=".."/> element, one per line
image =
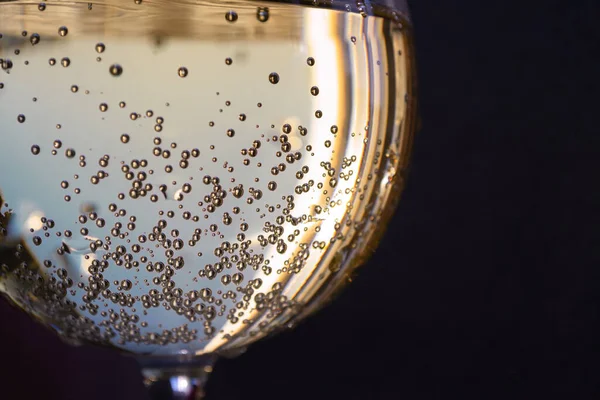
<point x="179" y="179"/>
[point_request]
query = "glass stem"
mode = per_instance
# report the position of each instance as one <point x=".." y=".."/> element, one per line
<point x="177" y="381"/>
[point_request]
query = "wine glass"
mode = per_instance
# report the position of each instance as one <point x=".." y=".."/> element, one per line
<point x="180" y="179"/>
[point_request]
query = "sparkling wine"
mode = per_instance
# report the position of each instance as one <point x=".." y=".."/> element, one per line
<point x="183" y="179"/>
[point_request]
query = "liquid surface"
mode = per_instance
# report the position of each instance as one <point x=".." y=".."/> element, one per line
<point x="184" y="179"/>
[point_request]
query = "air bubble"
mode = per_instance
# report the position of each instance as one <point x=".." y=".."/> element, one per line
<point x="124" y="138"/>
<point x="262" y="14"/>
<point x="35" y="149"/>
<point x="100" y="47"/>
<point x="63" y="31"/>
<point x="34" y="39"/>
<point x="103" y="107"/>
<point x="6" y="64"/>
<point x="231" y="16"/>
<point x="182" y="72"/>
<point x="115" y="70"/>
<point x="21" y="118"/>
<point x="274" y="78"/>
<point x="314" y="91"/>
<point x="65" y="62"/>
<point x="310" y="61"/>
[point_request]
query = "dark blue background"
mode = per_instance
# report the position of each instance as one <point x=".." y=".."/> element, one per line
<point x="487" y="284"/>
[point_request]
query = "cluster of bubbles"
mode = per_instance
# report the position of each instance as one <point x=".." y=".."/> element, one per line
<point x="95" y="307"/>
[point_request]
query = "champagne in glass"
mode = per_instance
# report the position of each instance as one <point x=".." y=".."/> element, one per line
<point x="181" y="179"/>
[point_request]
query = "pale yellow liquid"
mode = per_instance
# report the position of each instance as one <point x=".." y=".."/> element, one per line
<point x="315" y="194"/>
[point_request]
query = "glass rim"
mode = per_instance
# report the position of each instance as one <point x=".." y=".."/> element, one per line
<point x="387" y="8"/>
